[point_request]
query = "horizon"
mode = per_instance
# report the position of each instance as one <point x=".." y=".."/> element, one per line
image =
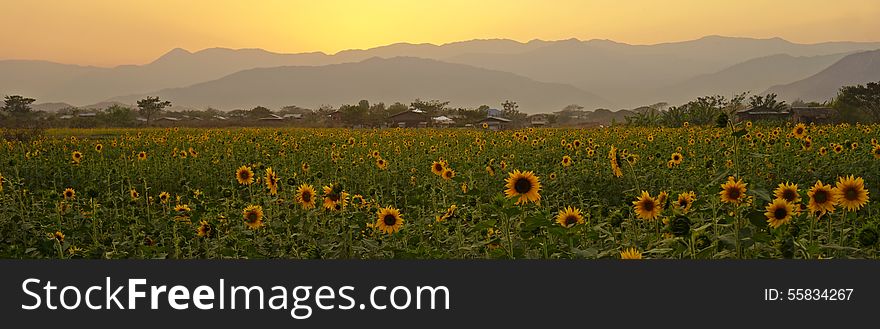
<point x="101" y="34"/>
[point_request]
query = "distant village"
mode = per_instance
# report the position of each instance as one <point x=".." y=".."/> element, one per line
<point x="418" y="114"/>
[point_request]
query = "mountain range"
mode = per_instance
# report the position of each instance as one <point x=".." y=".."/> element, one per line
<point x="541" y="76"/>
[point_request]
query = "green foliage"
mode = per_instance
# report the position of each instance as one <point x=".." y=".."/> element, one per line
<point x="859" y="103"/>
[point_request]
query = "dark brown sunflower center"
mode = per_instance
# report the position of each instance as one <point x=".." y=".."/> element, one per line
<point x="251" y="217"/>
<point x="570" y="220"/>
<point x="683" y="203"/>
<point x="850" y="194"/>
<point x="799" y="131"/>
<point x="389" y="220"/>
<point x="307" y="196"/>
<point x="733" y="193"/>
<point x="789" y="195"/>
<point x="648" y="205"/>
<point x="522" y="186"/>
<point x="820" y="197"/>
<point x="675" y="157"/>
<point x="438" y="167"/>
<point x="244" y="175"/>
<point x="780" y="213"/>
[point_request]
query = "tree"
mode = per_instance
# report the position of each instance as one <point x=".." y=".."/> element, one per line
<point x="151" y="106"/>
<point x="860" y="103"/>
<point x="510" y="110"/>
<point x="119" y="116"/>
<point x="17" y="105"/>
<point x="767" y="103"/>
<point x="259" y="112"/>
<point x="432" y="107"/>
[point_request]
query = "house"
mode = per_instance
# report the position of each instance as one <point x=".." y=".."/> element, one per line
<point x="293" y="116"/>
<point x="494" y="123"/>
<point x="442" y="121"/>
<point x="493" y="113"/>
<point x="539" y="120"/>
<point x="220" y="117"/>
<point x="761" y="114"/>
<point x="335" y="115"/>
<point x="411" y="118"/>
<point x="272" y="117"/>
<point x="171" y="119"/>
<point x="813" y="114"/>
<point x="66" y="117"/>
<point x="87" y="115"/>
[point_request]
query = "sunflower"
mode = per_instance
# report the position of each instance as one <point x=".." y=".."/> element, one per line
<point x="823" y="198"/>
<point x="676" y="158"/>
<point x="244" y="175"/>
<point x="58" y="236"/>
<point x="485" y="125"/>
<point x="305" y="196"/>
<point x="76" y="156"/>
<point x="491" y="171"/>
<point x="615" y="166"/>
<point x="381" y="163"/>
<point x="662" y="199"/>
<point x="358" y="200"/>
<point x="569" y="216"/>
<point x="851" y="192"/>
<point x="838" y="148"/>
<point x="134" y="194"/>
<point x="388" y="220"/>
<point x="449" y="213"/>
<point x="823" y="151"/>
<point x="205" y="230"/>
<point x="253" y="216"/>
<point x="374" y="154"/>
<point x="685" y="201"/>
<point x="646" y="207"/>
<point x="779" y="212"/>
<point x="799" y="131"/>
<point x="437" y="168"/>
<point x="566" y="161"/>
<point x="733" y="191"/>
<point x="1" y="182"/>
<point x="68" y="194"/>
<point x="164" y="197"/>
<point x="334" y="197"/>
<point x="525" y="185"/>
<point x="142" y="155"/>
<point x="182" y="208"/>
<point x="305" y="167"/>
<point x="876" y="151"/>
<point x="272" y="181"/>
<point x="630" y="253"/>
<point x="99" y="147"/>
<point x="787" y="192"/>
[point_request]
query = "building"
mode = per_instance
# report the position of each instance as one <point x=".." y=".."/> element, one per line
<point x="442" y="121"/>
<point x="335" y="116"/>
<point x="813" y="115"/>
<point x="761" y="114"/>
<point x="409" y="119"/>
<point x="539" y="120"/>
<point x="494" y="123"/>
<point x="272" y="117"/>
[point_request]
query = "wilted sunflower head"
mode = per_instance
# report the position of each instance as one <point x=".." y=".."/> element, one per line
<point x="58" y="236"/>
<point x="525" y="185"/>
<point x="244" y="175"/>
<point x="205" y="230"/>
<point x="876" y="151"/>
<point x="569" y="216"/>
<point x="851" y="192"/>
<point x="787" y="192"/>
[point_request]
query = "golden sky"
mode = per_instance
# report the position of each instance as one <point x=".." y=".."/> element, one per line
<point x="113" y="32"/>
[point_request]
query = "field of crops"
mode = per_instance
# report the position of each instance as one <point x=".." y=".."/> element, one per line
<point x="693" y="192"/>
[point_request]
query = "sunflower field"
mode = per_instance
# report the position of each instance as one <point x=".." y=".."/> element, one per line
<point x="743" y="191"/>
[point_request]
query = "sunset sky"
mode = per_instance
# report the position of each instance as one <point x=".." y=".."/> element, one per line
<point x="113" y="32"/>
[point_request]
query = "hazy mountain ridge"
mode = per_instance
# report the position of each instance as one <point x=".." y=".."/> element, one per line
<point x="402" y="79"/>
<point x="854" y="69"/>
<point x="626" y="75"/>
